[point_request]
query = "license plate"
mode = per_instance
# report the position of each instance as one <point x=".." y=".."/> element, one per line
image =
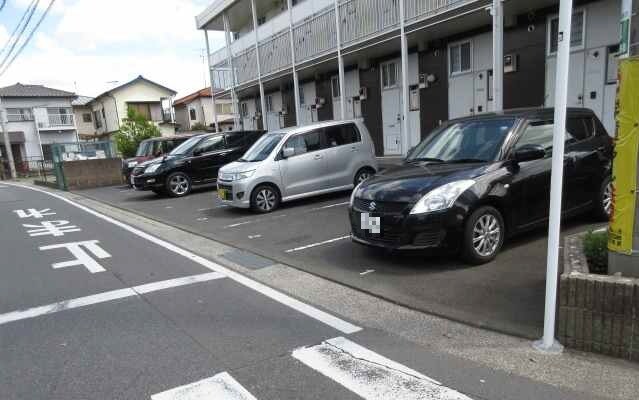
<point x="221" y="193"/>
<point x="369" y="222"/>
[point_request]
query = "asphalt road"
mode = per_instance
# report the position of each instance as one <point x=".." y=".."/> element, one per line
<point x="506" y="295"/>
<point x="93" y="308"/>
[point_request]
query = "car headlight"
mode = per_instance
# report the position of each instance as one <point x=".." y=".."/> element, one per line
<point x="132" y="164"/>
<point x="152" y="168"/>
<point x="442" y="197"/>
<point x="236" y="176"/>
<point x="353" y="194"/>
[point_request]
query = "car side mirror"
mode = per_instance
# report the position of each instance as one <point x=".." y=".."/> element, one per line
<point x="197" y="152"/>
<point x="288" y="152"/>
<point x="529" y="152"/>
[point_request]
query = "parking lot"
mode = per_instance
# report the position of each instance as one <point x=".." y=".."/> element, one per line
<point x="313" y="235"/>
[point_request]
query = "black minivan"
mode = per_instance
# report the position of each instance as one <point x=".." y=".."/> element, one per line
<point x="475" y="181"/>
<point x="195" y="161"/>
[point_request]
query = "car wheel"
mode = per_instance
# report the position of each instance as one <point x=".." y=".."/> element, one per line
<point x="178" y="184"/>
<point x="483" y="235"/>
<point x="362" y="175"/>
<point x="265" y="198"/>
<point x="603" y="208"/>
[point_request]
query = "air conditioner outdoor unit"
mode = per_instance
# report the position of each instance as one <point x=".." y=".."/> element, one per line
<point x="319" y="102"/>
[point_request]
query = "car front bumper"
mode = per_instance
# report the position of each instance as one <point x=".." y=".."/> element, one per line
<point x="403" y="231"/>
<point x="147" y="182"/>
<point x="235" y="194"/>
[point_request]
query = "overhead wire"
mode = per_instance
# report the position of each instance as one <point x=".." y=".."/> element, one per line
<point x="13" y="40"/>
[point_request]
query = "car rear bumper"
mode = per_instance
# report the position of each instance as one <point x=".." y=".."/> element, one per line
<point x="402" y="231"/>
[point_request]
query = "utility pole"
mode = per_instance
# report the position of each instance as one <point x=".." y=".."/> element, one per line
<point x="7" y="141"/>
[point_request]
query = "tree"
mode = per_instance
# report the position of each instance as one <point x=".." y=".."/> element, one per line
<point x="135" y="128"/>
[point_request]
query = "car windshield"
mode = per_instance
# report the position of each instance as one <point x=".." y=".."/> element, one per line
<point x="144" y="149"/>
<point x="186" y="146"/>
<point x="262" y="148"/>
<point x="467" y="141"/>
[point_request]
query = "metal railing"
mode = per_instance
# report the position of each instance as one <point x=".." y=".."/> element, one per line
<point x="60" y="120"/>
<point x="275" y="53"/>
<point x="363" y="18"/>
<point x="19" y="117"/>
<point x="245" y="65"/>
<point x="315" y="36"/>
<point x="419" y="9"/>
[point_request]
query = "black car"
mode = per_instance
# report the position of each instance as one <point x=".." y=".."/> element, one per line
<point x="475" y="181"/>
<point x="195" y="161"/>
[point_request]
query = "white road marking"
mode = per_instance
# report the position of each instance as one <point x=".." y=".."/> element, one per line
<point x="370" y="375"/>
<point x="308" y="246"/>
<point x="330" y="206"/>
<point x="106" y="296"/>
<point x="33" y="213"/>
<point x="219" y="387"/>
<point x="254" y="221"/>
<point x="202" y="219"/>
<point x="368" y="271"/>
<point x="254" y="236"/>
<point x="313" y="312"/>
<point x="168" y="206"/>
<point x="81" y="256"/>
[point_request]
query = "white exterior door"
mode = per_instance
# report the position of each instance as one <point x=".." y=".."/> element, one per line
<point x="273" y="107"/>
<point x="575" y="80"/>
<point x="391" y="107"/>
<point x="595" y="76"/>
<point x="308" y="113"/>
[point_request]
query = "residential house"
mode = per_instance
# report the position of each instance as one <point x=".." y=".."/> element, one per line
<point x="197" y="109"/>
<point x="146" y="97"/>
<point x="37" y="117"/>
<point x="447" y="59"/>
<point x="83" y="115"/>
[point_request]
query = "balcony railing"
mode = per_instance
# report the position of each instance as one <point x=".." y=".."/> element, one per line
<point x="19" y="117"/>
<point x="316" y="36"/>
<point x="56" y="121"/>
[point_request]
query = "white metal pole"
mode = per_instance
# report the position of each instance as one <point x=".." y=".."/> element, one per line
<point x="548" y="342"/>
<point x="296" y="83"/>
<point x="229" y="55"/>
<point x="340" y="63"/>
<point x="259" y="67"/>
<point x="405" y="100"/>
<point x="498" y="55"/>
<point x="208" y="58"/>
<point x="7" y="141"/>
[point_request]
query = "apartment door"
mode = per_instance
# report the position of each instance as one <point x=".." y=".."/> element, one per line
<point x="575" y="80"/>
<point x="595" y="77"/>
<point x="391" y="107"/>
<point x="308" y="113"/>
<point x="273" y="108"/>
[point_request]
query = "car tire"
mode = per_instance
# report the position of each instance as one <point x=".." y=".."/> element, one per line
<point x="484" y="233"/>
<point x="177" y="184"/>
<point x="363" y="174"/>
<point x="265" y="199"/>
<point x="603" y="204"/>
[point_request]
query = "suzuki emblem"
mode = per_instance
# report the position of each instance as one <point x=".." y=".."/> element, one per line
<point x="372" y="206"/>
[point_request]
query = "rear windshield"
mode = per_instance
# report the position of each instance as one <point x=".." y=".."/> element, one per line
<point x="145" y="148"/>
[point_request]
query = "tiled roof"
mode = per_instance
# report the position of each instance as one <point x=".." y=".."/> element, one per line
<point x="140" y="78"/>
<point x="206" y="92"/>
<point x="20" y="90"/>
<point x="81" y="101"/>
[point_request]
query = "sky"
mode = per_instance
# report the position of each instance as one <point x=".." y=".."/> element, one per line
<point x="89" y="46"/>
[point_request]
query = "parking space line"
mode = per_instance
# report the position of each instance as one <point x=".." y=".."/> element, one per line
<point x="330" y="206"/>
<point x="255" y="221"/>
<point x="370" y="375"/>
<point x="308" y="246"/>
<point x="221" y="386"/>
<point x="313" y="312"/>
<point x="106" y="296"/>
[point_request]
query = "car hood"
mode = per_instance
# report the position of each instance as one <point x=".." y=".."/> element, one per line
<point x="157" y="160"/>
<point x="409" y="182"/>
<point x="237" y="166"/>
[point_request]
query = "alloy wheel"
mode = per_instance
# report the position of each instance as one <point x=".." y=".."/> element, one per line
<point x="606" y="198"/>
<point x="362" y="176"/>
<point x="179" y="185"/>
<point x="486" y="235"/>
<point x="265" y="199"/>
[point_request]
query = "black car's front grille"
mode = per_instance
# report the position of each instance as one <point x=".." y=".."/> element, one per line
<point x="374" y="206"/>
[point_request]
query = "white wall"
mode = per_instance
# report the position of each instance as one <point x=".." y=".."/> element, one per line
<point x="351" y="83"/>
<point x="84" y="128"/>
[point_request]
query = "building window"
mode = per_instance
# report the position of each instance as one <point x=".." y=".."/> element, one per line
<point x="612" y="64"/>
<point x="19" y="114"/>
<point x="223" y="108"/>
<point x="269" y="103"/>
<point x="47" y="152"/>
<point x="389" y="75"/>
<point x="578" y="27"/>
<point x="335" y="86"/>
<point x="261" y="20"/>
<point x="192" y="114"/>
<point x="301" y="90"/>
<point x="86" y="117"/>
<point x="96" y="120"/>
<point x="243" y="109"/>
<point x="143" y="109"/>
<point x="236" y="35"/>
<point x="460" y="57"/>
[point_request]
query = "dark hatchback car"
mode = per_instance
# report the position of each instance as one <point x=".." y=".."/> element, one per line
<point x="196" y="161"/>
<point x="149" y="149"/>
<point x="476" y="181"/>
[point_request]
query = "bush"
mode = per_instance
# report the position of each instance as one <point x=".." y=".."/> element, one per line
<point x="198" y="127"/>
<point x="596" y="252"/>
<point x="134" y="129"/>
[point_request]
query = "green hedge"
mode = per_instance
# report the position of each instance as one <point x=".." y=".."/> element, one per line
<point x="596" y="251"/>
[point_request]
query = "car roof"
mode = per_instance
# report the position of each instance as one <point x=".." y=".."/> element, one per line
<point x="172" y="137"/>
<point x="524" y="113"/>
<point x="306" y="128"/>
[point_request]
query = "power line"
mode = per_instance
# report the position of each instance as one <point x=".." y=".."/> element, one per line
<point x="4" y="2"/>
<point x="35" y="28"/>
<point x="16" y="38"/>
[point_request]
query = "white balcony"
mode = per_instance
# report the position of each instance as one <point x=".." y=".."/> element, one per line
<point x="314" y="35"/>
<point x="56" y="121"/>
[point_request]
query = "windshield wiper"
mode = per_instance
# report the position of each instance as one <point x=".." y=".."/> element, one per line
<point x="426" y="159"/>
<point x="467" y="160"/>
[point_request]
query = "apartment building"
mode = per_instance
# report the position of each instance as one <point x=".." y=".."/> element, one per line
<point x="404" y="66"/>
<point x="196" y="109"/>
<point x="150" y="99"/>
<point x="36" y="117"/>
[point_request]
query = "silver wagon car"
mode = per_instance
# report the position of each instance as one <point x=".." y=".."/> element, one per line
<point x="298" y="162"/>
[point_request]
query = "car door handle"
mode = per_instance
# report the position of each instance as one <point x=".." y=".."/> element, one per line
<point x="318" y="156"/>
<point x="353" y="148"/>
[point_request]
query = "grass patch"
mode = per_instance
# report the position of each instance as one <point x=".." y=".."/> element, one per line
<point x="596" y="251"/>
